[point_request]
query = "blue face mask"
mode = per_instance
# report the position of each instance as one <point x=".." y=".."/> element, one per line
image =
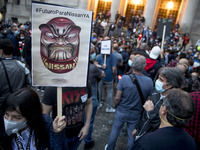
<point x="159" y="86"/>
<point x="16" y="33"/>
<point x="130" y="63"/>
<point x="93" y="56"/>
<point x="21" y="38"/>
<point x="13" y="126"/>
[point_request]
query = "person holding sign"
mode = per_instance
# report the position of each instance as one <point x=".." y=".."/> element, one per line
<point x="107" y="61"/>
<point x="24" y="127"/>
<point x="76" y="105"/>
<point x="94" y="74"/>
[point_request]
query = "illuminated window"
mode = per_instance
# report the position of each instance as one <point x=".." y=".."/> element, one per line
<point x="134" y="7"/>
<point x="169" y="9"/>
<point x="104" y="5"/>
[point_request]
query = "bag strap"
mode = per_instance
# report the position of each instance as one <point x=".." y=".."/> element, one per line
<point x="135" y="81"/>
<point x="10" y="88"/>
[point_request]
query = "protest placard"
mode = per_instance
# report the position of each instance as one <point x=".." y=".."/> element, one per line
<point x="106" y="47"/>
<point x="60" y="45"/>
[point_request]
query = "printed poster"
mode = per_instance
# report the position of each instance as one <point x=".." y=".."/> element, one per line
<point x="60" y="45"/>
<point x="106" y="47"/>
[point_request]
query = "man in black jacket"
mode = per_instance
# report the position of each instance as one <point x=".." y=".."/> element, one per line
<point x="14" y="75"/>
<point x="176" y="110"/>
<point x="168" y="78"/>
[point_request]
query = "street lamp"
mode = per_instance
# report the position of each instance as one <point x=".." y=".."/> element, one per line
<point x="136" y="2"/>
<point x="170" y="5"/>
<point x="106" y="1"/>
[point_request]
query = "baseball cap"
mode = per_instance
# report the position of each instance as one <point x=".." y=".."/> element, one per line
<point x="155" y="52"/>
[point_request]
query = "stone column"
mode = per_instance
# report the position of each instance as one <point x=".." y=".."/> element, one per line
<point x="83" y="4"/>
<point x="22" y="2"/>
<point x="149" y="11"/>
<point x="114" y="8"/>
<point x="189" y="14"/>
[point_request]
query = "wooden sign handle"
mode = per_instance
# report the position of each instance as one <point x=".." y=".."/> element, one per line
<point x="104" y="59"/>
<point x="59" y="101"/>
<point x="163" y="38"/>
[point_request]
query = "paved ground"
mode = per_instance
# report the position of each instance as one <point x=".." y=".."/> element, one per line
<point x="101" y="130"/>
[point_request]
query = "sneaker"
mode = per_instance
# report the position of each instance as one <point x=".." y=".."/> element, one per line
<point x="99" y="106"/>
<point x="106" y="147"/>
<point x="89" y="145"/>
<point x="110" y="110"/>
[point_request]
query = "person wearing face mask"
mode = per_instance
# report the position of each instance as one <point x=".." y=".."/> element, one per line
<point x="168" y="78"/>
<point x="130" y="61"/>
<point x="25" y="127"/>
<point x="119" y="27"/>
<point x="176" y="111"/>
<point x="125" y="55"/>
<point x="183" y="66"/>
<point x="128" y="102"/>
<point x="13" y="37"/>
<point x="14" y="74"/>
<point x="119" y="61"/>
<point x="94" y="75"/>
<point x="21" y="44"/>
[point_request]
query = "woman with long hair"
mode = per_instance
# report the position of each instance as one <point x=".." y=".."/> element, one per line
<point x="24" y="125"/>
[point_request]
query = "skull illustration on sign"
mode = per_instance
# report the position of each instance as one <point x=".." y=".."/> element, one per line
<point x="59" y="47"/>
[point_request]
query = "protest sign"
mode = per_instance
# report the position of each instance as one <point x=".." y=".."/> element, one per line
<point x="161" y="23"/>
<point x="106" y="47"/>
<point x="60" y="45"/>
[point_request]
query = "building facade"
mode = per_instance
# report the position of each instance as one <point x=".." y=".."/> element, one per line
<point x="184" y="12"/>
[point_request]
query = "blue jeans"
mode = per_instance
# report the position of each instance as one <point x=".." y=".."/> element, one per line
<point x="72" y="143"/>
<point x="88" y="138"/>
<point x="109" y="88"/>
<point x="120" y="119"/>
<point x="111" y="33"/>
<point x="128" y="34"/>
<point x="118" y="31"/>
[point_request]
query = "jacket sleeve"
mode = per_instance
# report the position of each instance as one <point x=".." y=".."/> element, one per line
<point x="153" y="119"/>
<point x="150" y="121"/>
<point x="56" y="140"/>
<point x="153" y="115"/>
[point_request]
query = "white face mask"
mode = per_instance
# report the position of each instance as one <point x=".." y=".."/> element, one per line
<point x="13" y="126"/>
<point x="130" y="63"/>
<point x="159" y="86"/>
<point x="22" y="38"/>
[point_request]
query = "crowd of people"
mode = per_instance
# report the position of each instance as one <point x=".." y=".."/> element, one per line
<point x="152" y="91"/>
